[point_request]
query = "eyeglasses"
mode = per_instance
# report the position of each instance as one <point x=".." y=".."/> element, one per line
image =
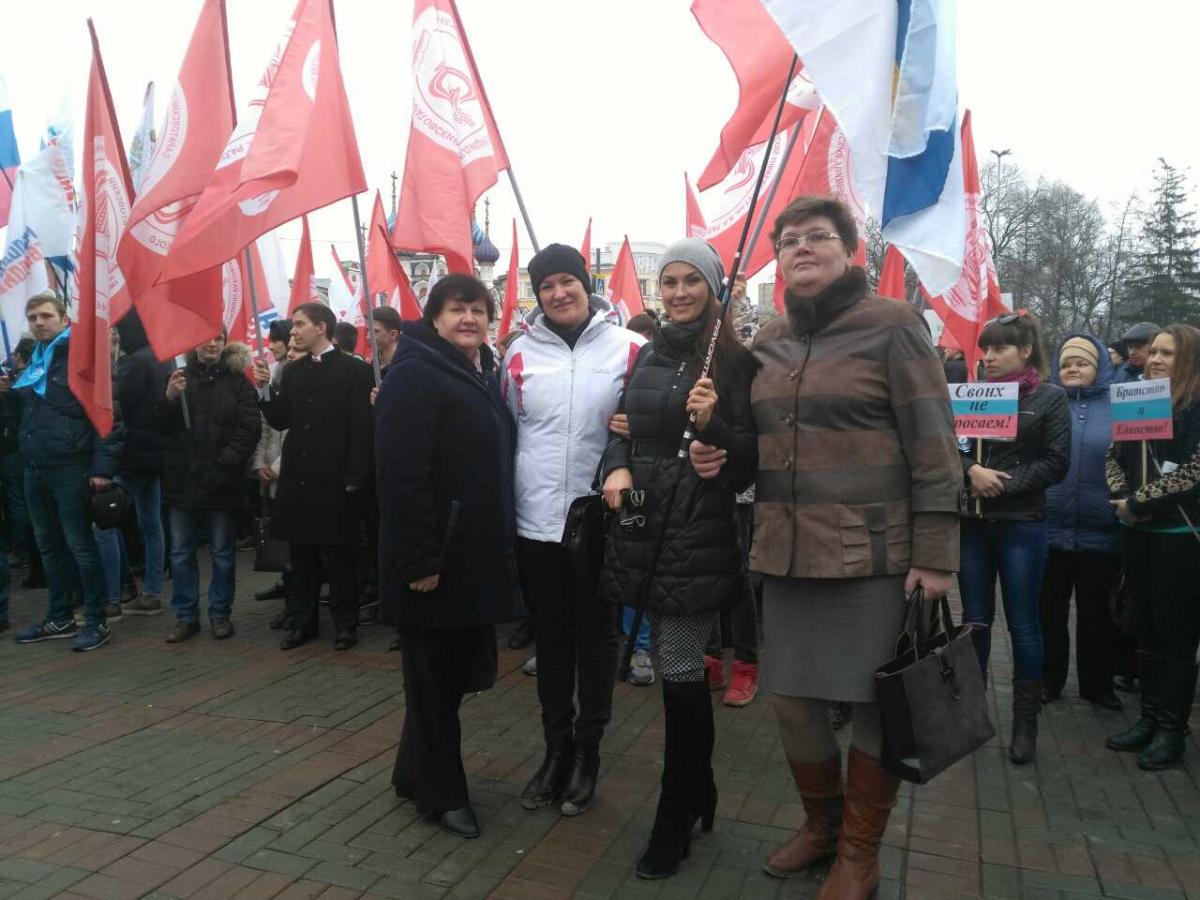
<point x="812" y="239"/>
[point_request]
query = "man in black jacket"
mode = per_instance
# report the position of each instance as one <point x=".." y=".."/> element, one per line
<point x="66" y="461"/>
<point x="209" y="444"/>
<point x="323" y="401"/>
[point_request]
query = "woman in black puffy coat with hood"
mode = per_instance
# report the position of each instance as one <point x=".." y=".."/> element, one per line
<point x="700" y="569"/>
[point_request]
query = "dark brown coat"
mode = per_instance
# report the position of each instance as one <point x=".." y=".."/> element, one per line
<point x="858" y="471"/>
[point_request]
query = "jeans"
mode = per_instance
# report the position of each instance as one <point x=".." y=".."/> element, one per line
<point x="1016" y="551"/>
<point x="12" y="468"/>
<point x="5" y="573"/>
<point x="642" y="641"/>
<point x="115" y="559"/>
<point x="59" y="505"/>
<point x="186" y="527"/>
<point x="576" y="638"/>
<point x="146" y="493"/>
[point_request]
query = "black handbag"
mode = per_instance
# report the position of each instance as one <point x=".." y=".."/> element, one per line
<point x="587" y="524"/>
<point x="931" y="696"/>
<point x="270" y="554"/>
<point x="110" y="506"/>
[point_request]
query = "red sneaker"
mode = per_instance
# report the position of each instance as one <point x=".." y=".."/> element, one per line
<point x="743" y="685"/>
<point x="714" y="666"/>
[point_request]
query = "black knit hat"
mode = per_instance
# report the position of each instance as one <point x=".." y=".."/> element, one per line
<point x="554" y="259"/>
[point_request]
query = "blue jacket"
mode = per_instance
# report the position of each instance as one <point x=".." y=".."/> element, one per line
<point x="1078" y="514"/>
<point x="55" y="430"/>
<point x="1126" y="373"/>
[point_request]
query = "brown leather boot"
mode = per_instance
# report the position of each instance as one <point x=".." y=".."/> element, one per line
<point x="820" y="787"/>
<point x="870" y="796"/>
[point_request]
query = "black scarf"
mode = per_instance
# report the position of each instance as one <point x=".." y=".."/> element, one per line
<point x="810" y="314"/>
<point x="570" y="335"/>
<point x="678" y="340"/>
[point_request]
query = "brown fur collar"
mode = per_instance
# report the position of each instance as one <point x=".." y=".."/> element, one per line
<point x="810" y="314"/>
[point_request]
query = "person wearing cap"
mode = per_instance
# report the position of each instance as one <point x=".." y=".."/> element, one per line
<point x="700" y="570"/>
<point x="1137" y="349"/>
<point x="1082" y="530"/>
<point x="562" y="379"/>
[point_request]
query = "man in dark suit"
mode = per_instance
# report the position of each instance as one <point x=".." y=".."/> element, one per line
<point x="323" y="401"/>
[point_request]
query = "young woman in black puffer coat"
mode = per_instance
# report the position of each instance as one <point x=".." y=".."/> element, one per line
<point x="700" y="569"/>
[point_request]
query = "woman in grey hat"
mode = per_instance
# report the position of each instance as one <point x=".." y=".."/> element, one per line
<point x="700" y="569"/>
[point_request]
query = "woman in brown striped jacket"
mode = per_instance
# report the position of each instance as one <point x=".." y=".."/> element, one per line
<point x="856" y="505"/>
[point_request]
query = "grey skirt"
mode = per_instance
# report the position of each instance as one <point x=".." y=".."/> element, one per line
<point x="825" y="637"/>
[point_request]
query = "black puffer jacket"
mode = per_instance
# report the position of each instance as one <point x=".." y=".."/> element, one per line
<point x="1039" y="457"/>
<point x="141" y="381"/>
<point x="701" y="567"/>
<point x="206" y="464"/>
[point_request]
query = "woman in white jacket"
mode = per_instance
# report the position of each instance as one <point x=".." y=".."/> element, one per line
<point x="562" y="379"/>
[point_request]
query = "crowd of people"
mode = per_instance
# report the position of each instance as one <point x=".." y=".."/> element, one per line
<point x="824" y="461"/>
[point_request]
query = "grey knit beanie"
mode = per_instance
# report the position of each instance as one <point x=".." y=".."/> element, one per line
<point x="699" y="254"/>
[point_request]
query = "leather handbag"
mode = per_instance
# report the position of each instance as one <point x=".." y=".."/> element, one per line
<point x="110" y="506"/>
<point x="270" y="554"/>
<point x="587" y="524"/>
<point x="931" y="696"/>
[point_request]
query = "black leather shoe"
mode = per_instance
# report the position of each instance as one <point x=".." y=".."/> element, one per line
<point x="394" y="646"/>
<point x="277" y="591"/>
<point x="280" y="621"/>
<point x="545" y="787"/>
<point x="522" y="635"/>
<point x="345" y="640"/>
<point x="461" y="822"/>
<point x="1126" y="684"/>
<point x="1051" y="696"/>
<point x="581" y="786"/>
<point x="1105" y="700"/>
<point x="295" y="639"/>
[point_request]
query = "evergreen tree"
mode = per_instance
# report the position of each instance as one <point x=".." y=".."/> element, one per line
<point x="1166" y="286"/>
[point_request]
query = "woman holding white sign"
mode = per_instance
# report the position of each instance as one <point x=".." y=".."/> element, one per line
<point x="1004" y="532"/>
<point x="1156" y="494"/>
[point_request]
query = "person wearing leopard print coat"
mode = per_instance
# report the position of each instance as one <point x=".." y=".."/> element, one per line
<point x="1157" y="498"/>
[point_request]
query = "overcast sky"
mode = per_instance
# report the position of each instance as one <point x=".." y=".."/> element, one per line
<point x="603" y="106"/>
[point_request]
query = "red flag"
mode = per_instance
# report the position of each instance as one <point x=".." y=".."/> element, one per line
<point x="693" y="221"/>
<point x="975" y="297"/>
<point x="454" y="148"/>
<point x="235" y="291"/>
<point x="624" y="289"/>
<point x="299" y="156"/>
<point x="384" y="272"/>
<point x="512" y="283"/>
<point x="760" y="55"/>
<point x="182" y="314"/>
<point x="891" y="278"/>
<point x="304" y="287"/>
<point x="585" y="249"/>
<point x="819" y="164"/>
<point x="103" y="297"/>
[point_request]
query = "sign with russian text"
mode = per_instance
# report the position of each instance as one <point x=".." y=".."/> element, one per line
<point x="1141" y="410"/>
<point x="985" y="410"/>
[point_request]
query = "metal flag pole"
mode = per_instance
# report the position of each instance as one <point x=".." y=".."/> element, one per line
<point x="258" y="338"/>
<point x="766" y="205"/>
<point x="689" y="432"/>
<point x="512" y="179"/>
<point x="366" y="291"/>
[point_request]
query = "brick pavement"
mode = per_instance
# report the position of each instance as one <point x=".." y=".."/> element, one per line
<point x="216" y="770"/>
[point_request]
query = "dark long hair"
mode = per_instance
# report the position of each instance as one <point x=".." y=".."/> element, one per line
<point x="728" y="345"/>
<point x="1019" y="330"/>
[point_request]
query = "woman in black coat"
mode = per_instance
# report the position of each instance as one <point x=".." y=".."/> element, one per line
<point x="444" y="442"/>
<point x="700" y="569"/>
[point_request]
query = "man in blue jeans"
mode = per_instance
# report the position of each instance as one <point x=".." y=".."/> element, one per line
<point x="208" y="449"/>
<point x="66" y="461"/>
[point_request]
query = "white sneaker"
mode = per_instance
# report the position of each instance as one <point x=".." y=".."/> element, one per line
<point x="530" y="666"/>
<point x="641" y="669"/>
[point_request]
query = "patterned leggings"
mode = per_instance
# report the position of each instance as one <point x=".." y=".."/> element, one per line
<point x="679" y="642"/>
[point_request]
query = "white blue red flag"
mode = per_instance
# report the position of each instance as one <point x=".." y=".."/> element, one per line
<point x="886" y="69"/>
<point x="22" y="267"/>
<point x="9" y="157"/>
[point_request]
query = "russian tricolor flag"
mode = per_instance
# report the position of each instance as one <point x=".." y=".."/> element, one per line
<point x="10" y="159"/>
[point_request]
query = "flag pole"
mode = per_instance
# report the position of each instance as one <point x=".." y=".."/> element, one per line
<point x="766" y="206"/>
<point x="512" y="179"/>
<point x="258" y="338"/>
<point x="366" y="291"/>
<point x="689" y="433"/>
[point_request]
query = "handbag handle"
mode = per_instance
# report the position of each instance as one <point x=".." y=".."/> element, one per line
<point x="600" y="464"/>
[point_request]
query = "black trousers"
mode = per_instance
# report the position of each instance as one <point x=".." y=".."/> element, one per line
<point x="306" y="587"/>
<point x="440" y="665"/>
<point x="1099" y="644"/>
<point x="1162" y="575"/>
<point x="576" y="641"/>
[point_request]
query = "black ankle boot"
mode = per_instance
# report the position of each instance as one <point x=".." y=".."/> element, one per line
<point x="1177" y="690"/>
<point x="581" y="785"/>
<point x="546" y="785"/>
<point x="1139" y="735"/>
<point x="1027" y="702"/>
<point x="687" y="792"/>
